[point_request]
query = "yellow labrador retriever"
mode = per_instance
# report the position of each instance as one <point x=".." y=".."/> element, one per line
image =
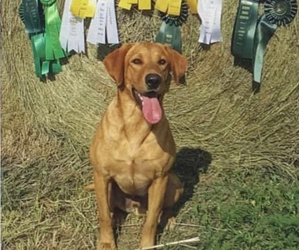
<point x="133" y="149"/>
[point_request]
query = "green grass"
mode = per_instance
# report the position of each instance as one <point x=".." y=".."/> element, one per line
<point x="248" y="210"/>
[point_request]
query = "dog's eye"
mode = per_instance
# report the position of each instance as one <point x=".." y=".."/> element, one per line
<point x="162" y="62"/>
<point x="137" y="61"/>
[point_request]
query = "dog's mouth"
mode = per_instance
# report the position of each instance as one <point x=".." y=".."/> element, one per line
<point x="150" y="105"/>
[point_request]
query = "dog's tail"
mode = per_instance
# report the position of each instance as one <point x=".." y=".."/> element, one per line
<point x="90" y="187"/>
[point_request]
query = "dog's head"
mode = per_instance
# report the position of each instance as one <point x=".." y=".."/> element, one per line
<point x="145" y="69"/>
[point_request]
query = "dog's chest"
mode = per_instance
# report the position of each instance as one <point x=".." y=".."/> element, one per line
<point x="136" y="167"/>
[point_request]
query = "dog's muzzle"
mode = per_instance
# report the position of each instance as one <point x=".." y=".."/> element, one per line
<point x="153" y="81"/>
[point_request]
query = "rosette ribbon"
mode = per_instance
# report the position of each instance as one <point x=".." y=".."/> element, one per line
<point x="142" y="4"/>
<point x="210" y="14"/>
<point x="170" y="30"/>
<point x="252" y="33"/>
<point x="31" y="14"/>
<point x="72" y="31"/>
<point x="83" y="8"/>
<point x="54" y="50"/>
<point x="103" y="27"/>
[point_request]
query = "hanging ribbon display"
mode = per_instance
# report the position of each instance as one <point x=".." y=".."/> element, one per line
<point x="252" y="33"/>
<point x="142" y="4"/>
<point x="210" y="15"/>
<point x="103" y="27"/>
<point x="32" y="16"/>
<point x="170" y="30"/>
<point x="72" y="31"/>
<point x="83" y="8"/>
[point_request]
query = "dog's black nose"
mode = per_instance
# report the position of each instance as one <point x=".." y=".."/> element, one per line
<point x="153" y="81"/>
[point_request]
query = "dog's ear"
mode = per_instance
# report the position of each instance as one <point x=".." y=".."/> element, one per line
<point x="178" y="63"/>
<point x="115" y="63"/>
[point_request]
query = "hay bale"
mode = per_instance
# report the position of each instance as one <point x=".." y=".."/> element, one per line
<point x="51" y="123"/>
<point x="220" y="115"/>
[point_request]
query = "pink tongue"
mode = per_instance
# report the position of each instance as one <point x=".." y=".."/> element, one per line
<point x="151" y="109"/>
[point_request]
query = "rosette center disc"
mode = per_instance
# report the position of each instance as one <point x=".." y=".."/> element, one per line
<point x="280" y="12"/>
<point x="281" y="7"/>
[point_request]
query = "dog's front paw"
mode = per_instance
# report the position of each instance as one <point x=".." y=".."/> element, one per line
<point x="106" y="246"/>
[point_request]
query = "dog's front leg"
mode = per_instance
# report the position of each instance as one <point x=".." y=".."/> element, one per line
<point x="156" y="194"/>
<point x="103" y="194"/>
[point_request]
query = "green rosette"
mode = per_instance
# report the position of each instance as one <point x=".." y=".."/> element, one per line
<point x="54" y="50"/>
<point x="170" y="30"/>
<point x="252" y="33"/>
<point x="31" y="14"/>
<point x="277" y="13"/>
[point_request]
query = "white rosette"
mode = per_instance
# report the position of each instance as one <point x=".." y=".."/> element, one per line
<point x="71" y="31"/>
<point x="210" y="15"/>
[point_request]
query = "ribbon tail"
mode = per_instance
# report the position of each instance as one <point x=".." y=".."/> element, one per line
<point x="97" y="28"/>
<point x="111" y="24"/>
<point x="64" y="29"/>
<point x="244" y="29"/>
<point x="55" y="66"/>
<point x="162" y="5"/>
<point x="53" y="23"/>
<point x="264" y="32"/>
<point x="38" y="48"/>
<point x="170" y="34"/>
<point x="210" y="14"/>
<point x="193" y="6"/>
<point x="45" y="67"/>
<point x="36" y="58"/>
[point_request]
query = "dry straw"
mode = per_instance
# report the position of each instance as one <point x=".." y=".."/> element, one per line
<point x="47" y="126"/>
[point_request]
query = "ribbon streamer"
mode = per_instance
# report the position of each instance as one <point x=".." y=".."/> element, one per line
<point x="171" y="7"/>
<point x="210" y="14"/>
<point x="142" y="4"/>
<point x="170" y="30"/>
<point x="193" y="6"/>
<point x="71" y="31"/>
<point x="244" y="29"/>
<point x="103" y="26"/>
<point x="83" y="8"/>
<point x="53" y="23"/>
